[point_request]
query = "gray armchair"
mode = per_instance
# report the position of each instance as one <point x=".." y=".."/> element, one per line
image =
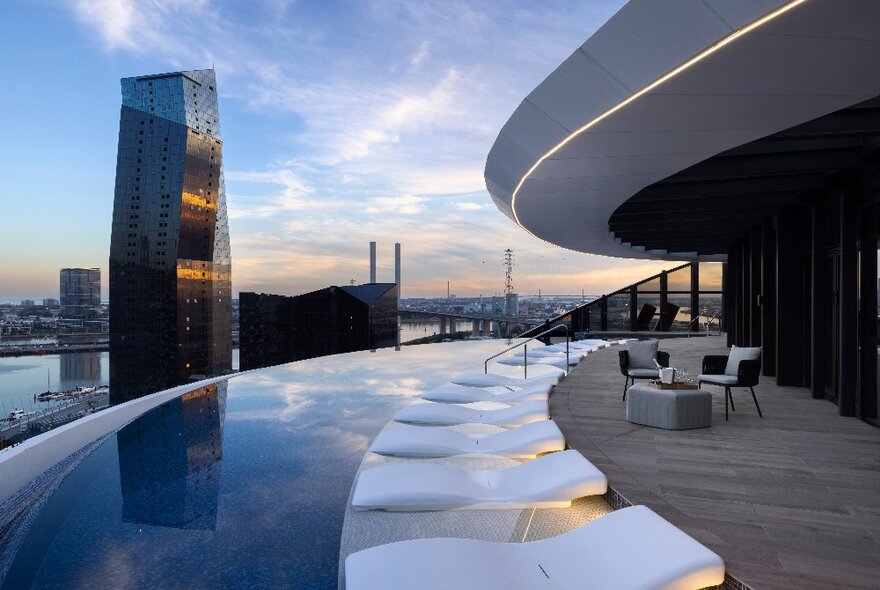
<point x="742" y="368"/>
<point x="633" y="373"/>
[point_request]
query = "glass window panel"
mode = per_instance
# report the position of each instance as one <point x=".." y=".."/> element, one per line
<point x="595" y="318"/>
<point x="618" y="312"/>
<point x="679" y="280"/>
<point x="652" y="285"/>
<point x="710" y="276"/>
<point x="683" y="317"/>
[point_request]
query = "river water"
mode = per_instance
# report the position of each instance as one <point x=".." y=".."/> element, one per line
<point x="22" y="377"/>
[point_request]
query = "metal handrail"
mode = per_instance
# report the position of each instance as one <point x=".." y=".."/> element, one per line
<point x="708" y="322"/>
<point x="717" y="316"/>
<point x="525" y="343"/>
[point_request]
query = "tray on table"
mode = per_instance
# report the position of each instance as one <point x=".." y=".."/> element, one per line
<point x="682" y="385"/>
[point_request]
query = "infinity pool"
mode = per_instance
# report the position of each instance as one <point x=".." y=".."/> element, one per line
<point x="241" y="484"/>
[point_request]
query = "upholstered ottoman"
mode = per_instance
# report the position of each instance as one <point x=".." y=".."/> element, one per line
<point x="672" y="409"/>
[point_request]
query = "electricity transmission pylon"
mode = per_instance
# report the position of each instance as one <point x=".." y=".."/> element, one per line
<point x="508" y="273"/>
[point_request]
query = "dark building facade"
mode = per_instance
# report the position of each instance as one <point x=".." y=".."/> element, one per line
<point x="80" y="292"/>
<point x="278" y="329"/>
<point x="170" y="264"/>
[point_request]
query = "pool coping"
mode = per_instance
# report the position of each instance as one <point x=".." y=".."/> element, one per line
<point x="23" y="463"/>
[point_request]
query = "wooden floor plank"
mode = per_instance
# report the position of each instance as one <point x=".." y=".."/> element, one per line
<point x="789" y="501"/>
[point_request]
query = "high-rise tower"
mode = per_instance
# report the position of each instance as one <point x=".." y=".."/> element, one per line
<point x="170" y="265"/>
<point x="80" y="292"/>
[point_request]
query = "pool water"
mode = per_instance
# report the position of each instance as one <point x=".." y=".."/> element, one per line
<point x="241" y="484"/>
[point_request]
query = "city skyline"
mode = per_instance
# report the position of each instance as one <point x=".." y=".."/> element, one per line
<point x="345" y="123"/>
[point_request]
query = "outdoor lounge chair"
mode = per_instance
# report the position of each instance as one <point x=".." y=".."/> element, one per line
<point x="668" y="313"/>
<point x="493" y="380"/>
<point x="638" y="362"/>
<point x="741" y="368"/>
<point x="459" y="394"/>
<point x="523" y="442"/>
<point x="643" y="320"/>
<point x="431" y="414"/>
<point x="550" y="481"/>
<point x="628" y="549"/>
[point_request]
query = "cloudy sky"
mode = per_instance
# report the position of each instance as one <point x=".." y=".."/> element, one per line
<point x="343" y="122"/>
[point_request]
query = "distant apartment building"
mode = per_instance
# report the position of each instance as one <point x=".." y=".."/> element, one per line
<point x="276" y="329"/>
<point x="80" y="292"/>
<point x="49" y="302"/>
<point x="170" y="265"/>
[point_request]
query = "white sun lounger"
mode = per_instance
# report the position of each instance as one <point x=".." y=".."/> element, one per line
<point x="580" y="345"/>
<point x="522" y="442"/>
<point x="554" y="360"/>
<point x="550" y="481"/>
<point x="492" y="379"/>
<point x="432" y="414"/>
<point x="574" y="352"/>
<point x="629" y="549"/>
<point x="459" y="394"/>
<point x="557" y="361"/>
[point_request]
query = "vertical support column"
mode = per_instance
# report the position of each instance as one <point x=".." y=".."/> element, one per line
<point x="744" y="337"/>
<point x="725" y="303"/>
<point x="633" y="309"/>
<point x="755" y="295"/>
<point x="866" y="406"/>
<point x="664" y="293"/>
<point x="819" y="285"/>
<point x="731" y="289"/>
<point x="452" y="325"/>
<point x="442" y="324"/>
<point x="848" y="306"/>
<point x="790" y="335"/>
<point x="695" y="297"/>
<point x="603" y="307"/>
<point x="768" y="297"/>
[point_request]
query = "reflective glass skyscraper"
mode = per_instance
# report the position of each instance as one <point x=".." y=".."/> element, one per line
<point x="170" y="266"/>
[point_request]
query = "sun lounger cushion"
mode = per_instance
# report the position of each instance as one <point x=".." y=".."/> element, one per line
<point x="493" y="380"/>
<point x="518" y="443"/>
<point x="459" y="394"/>
<point x="550" y="481"/>
<point x="629" y="549"/>
<point x="448" y="414"/>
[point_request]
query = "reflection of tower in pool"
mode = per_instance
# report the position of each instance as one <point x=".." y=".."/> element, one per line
<point x="169" y="461"/>
<point x="80" y="368"/>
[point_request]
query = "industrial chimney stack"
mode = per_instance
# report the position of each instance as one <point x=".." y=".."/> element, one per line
<point x="372" y="262"/>
<point x="397" y="269"/>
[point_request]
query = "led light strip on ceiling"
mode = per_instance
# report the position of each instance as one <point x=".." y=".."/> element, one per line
<point x="692" y="61"/>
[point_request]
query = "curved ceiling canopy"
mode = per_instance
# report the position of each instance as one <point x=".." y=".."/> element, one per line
<point x="671" y="91"/>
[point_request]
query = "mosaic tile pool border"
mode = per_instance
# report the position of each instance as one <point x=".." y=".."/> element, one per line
<point x="18" y="512"/>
